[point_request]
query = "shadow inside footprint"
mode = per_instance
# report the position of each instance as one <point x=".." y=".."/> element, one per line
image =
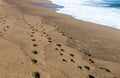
<point x="36" y="30"/>
<point x="1" y="35"/>
<point x="91" y="76"/>
<point x="31" y="35"/>
<point x="35" y="52"/>
<point x="50" y="41"/>
<point x="80" y="67"/>
<point x="107" y="70"/>
<point x="64" y="60"/>
<point x="61" y="54"/>
<point x="88" y="68"/>
<point x="31" y="27"/>
<point x="49" y="38"/>
<point x="29" y="24"/>
<point x="4" y="30"/>
<point x="72" y="60"/>
<point x="91" y="61"/>
<point x="34" y="61"/>
<point x="7" y="26"/>
<point x="58" y="45"/>
<point x="62" y="50"/>
<point x="32" y="32"/>
<point x="56" y="49"/>
<point x="36" y="74"/>
<point x="72" y="55"/>
<point x="33" y="40"/>
<point x="35" y="45"/>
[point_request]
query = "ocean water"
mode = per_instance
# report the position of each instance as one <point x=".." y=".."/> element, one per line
<point x="48" y="5"/>
<point x="104" y="12"/>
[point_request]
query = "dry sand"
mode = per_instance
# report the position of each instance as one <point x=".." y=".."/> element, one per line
<point x="35" y="42"/>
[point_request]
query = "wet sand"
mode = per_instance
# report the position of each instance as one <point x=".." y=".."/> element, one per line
<point x="36" y="42"/>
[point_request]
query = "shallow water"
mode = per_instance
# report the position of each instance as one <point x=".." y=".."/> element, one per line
<point x="49" y="5"/>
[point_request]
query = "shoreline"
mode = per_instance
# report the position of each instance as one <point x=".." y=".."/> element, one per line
<point x="42" y="42"/>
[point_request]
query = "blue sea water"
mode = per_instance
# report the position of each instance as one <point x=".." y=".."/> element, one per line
<point x="104" y="12"/>
<point x="48" y="5"/>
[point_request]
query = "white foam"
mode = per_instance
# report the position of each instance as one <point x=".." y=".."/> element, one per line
<point x="99" y="15"/>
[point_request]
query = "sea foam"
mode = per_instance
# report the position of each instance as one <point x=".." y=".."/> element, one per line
<point x="102" y="12"/>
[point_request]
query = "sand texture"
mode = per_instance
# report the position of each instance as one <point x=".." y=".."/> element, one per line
<point x="35" y="42"/>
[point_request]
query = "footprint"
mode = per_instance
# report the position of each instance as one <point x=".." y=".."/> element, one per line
<point x="35" y="45"/>
<point x="107" y="70"/>
<point x="31" y="27"/>
<point x="50" y="41"/>
<point x="80" y="67"/>
<point x="58" y="45"/>
<point x="44" y="33"/>
<point x="70" y="38"/>
<point x="72" y="55"/>
<point x="49" y="38"/>
<point x="33" y="32"/>
<point x="4" y="20"/>
<point x="62" y="50"/>
<point x="29" y="24"/>
<point x="91" y="76"/>
<point x="88" y="68"/>
<point x="36" y="30"/>
<point x="33" y="40"/>
<point x="61" y="54"/>
<point x="34" y="61"/>
<point x="4" y="30"/>
<point x="91" y="61"/>
<point x="35" y="52"/>
<point x="31" y="35"/>
<point x="56" y="49"/>
<point x="72" y="60"/>
<point x="64" y="60"/>
<point x="36" y="74"/>
<point x="7" y="26"/>
<point x="1" y="35"/>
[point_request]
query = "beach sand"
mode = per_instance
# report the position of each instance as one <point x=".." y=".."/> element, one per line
<point x="36" y="42"/>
